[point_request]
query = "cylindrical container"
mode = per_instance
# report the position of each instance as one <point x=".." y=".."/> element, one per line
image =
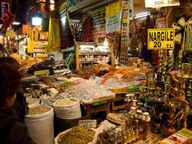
<point x="72" y="110"/>
<point x="40" y="126"/>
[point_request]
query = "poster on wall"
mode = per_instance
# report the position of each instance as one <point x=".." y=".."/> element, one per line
<point x="113" y="17"/>
<point x="161" y="3"/>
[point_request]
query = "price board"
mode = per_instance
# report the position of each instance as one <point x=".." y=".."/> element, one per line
<point x="88" y="123"/>
<point x="162" y="38"/>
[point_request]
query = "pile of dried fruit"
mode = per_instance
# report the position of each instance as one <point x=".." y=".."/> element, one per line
<point x="77" y="135"/>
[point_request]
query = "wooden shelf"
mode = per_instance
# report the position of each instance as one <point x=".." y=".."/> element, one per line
<point x="95" y="53"/>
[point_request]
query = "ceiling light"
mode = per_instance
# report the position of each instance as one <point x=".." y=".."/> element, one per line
<point x="52" y="1"/>
<point x="52" y="7"/>
<point x="161" y="3"/>
<point x="36" y="21"/>
<point x="142" y="14"/>
<point x="16" y="23"/>
<point x="63" y="20"/>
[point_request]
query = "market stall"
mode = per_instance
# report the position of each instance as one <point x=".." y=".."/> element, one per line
<point x="110" y="72"/>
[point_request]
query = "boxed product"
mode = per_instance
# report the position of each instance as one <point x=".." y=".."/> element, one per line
<point x="183" y="136"/>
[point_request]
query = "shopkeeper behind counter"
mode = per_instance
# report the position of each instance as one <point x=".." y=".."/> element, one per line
<point x="16" y="56"/>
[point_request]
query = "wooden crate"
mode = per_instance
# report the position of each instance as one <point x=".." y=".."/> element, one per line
<point x="102" y="106"/>
<point x="119" y="102"/>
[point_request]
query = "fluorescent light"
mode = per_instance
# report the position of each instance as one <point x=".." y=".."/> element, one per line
<point x="52" y="7"/>
<point x="63" y="20"/>
<point x="16" y="23"/>
<point x="52" y="1"/>
<point x="161" y="3"/>
<point x="142" y="14"/>
<point x="36" y="21"/>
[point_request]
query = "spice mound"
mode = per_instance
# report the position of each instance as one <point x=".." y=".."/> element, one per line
<point x="77" y="135"/>
<point x="38" y="110"/>
<point x="64" y="102"/>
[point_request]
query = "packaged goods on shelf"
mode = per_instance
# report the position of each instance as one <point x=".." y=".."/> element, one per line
<point x="96" y="70"/>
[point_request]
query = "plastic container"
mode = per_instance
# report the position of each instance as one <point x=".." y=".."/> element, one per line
<point x="41" y="127"/>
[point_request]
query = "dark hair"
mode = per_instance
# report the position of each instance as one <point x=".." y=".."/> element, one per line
<point x="14" y="50"/>
<point x="10" y="80"/>
<point x="1" y="46"/>
<point x="9" y="61"/>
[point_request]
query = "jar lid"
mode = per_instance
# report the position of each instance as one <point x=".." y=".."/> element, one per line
<point x="133" y="108"/>
<point x="139" y="111"/>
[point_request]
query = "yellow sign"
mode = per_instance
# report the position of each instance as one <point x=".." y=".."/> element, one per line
<point x="113" y="9"/>
<point x="162" y="38"/>
<point x="41" y="73"/>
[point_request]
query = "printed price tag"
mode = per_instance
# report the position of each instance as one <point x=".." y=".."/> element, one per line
<point x="41" y="73"/>
<point x="88" y="123"/>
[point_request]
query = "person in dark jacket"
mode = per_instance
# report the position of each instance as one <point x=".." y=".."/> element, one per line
<point x="12" y="130"/>
<point x="20" y="105"/>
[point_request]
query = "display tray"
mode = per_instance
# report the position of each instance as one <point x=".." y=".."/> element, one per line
<point x="61" y="134"/>
<point x="99" y="99"/>
<point x="64" y="133"/>
<point x="122" y="90"/>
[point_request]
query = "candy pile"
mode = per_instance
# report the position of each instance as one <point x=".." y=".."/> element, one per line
<point x="86" y="90"/>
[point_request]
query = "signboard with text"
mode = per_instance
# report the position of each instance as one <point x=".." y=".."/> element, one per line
<point x="162" y="38"/>
<point x="41" y="73"/>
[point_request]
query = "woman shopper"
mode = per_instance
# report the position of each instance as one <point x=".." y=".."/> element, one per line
<point x="12" y="130"/>
<point x="20" y="105"/>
